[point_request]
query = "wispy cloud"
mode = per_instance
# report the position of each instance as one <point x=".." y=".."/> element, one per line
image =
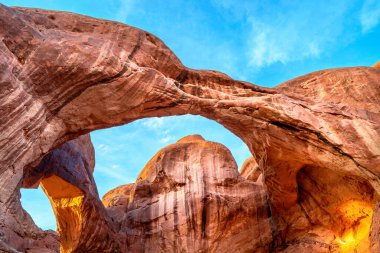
<point x="370" y="15"/>
<point x="269" y="44"/>
<point x="288" y="31"/>
<point x="153" y="123"/>
<point x="103" y="148"/>
<point x="124" y="8"/>
<point x="116" y="172"/>
<point x="296" y="31"/>
<point x="161" y="127"/>
<point x="166" y="139"/>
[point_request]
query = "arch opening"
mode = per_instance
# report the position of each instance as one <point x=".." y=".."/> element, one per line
<point x="56" y="205"/>
<point x="187" y="194"/>
<point x="61" y="207"/>
<point x="37" y="205"/>
<point x="122" y="152"/>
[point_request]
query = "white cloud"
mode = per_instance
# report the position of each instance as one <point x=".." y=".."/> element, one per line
<point x="370" y="15"/>
<point x="166" y="139"/>
<point x="269" y="44"/>
<point x="115" y="166"/>
<point x="161" y="127"/>
<point x="153" y="123"/>
<point x="303" y="29"/>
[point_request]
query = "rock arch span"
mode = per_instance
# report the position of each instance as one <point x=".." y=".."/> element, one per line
<point x="64" y="75"/>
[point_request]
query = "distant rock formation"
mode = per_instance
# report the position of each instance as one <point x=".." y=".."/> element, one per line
<point x="63" y="75"/>
<point x="250" y="170"/>
<point x="118" y="196"/>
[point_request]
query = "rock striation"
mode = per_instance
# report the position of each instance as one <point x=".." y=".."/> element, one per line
<point x="191" y="198"/>
<point x="63" y="75"/>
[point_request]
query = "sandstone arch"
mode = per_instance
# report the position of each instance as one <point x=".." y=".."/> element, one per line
<point x="64" y="75"/>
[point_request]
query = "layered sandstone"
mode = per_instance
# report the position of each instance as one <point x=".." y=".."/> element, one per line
<point x="63" y="75"/>
<point x="191" y="198"/>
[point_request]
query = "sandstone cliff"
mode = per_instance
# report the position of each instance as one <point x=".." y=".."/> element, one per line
<point x="63" y="75"/>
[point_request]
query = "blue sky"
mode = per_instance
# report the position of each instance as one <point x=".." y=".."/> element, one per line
<point x="264" y="42"/>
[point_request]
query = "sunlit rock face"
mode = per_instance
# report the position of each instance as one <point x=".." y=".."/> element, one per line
<point x="118" y="196"/>
<point x="63" y="75"/>
<point x="191" y="198"/>
<point x="250" y="170"/>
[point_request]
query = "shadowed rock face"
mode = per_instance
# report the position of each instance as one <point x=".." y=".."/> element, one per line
<point x="18" y="232"/>
<point x="63" y="75"/>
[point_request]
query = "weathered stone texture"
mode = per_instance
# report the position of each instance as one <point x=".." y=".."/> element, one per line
<point x="63" y="75"/>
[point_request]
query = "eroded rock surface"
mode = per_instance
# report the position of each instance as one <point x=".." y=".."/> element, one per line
<point x="191" y="198"/>
<point x="63" y="75"/>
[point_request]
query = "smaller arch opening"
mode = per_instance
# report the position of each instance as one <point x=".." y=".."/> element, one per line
<point x="37" y="205"/>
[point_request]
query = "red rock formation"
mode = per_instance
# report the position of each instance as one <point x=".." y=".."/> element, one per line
<point x="190" y="198"/>
<point x="250" y="170"/>
<point x="63" y="75"/>
<point x="18" y="232"/>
